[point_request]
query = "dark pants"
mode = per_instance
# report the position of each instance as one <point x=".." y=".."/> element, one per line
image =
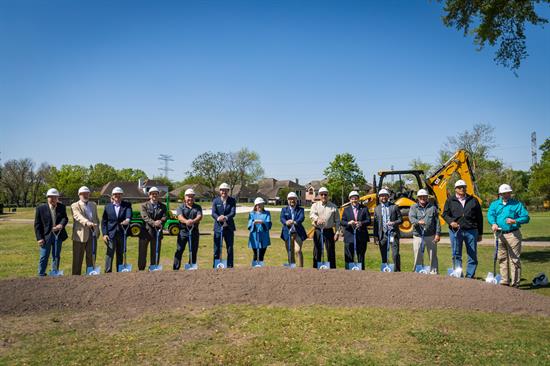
<point x="228" y="237"/>
<point x="259" y="253"/>
<point x="468" y="237"/>
<point x="394" y="249"/>
<point x="148" y="241"/>
<point x="45" y="249"/>
<point x="114" y="245"/>
<point x="361" y="249"/>
<point x="181" y="244"/>
<point x="79" y="249"/>
<point x="326" y="253"/>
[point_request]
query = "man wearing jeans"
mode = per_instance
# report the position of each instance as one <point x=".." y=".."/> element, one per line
<point x="506" y="215"/>
<point x="463" y="214"/>
<point x="49" y="227"/>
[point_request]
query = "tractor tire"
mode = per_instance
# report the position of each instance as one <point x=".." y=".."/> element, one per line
<point x="174" y="230"/>
<point x="406" y="228"/>
<point x="135" y="230"/>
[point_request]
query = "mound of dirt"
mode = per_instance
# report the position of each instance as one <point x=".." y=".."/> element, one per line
<point x="263" y="286"/>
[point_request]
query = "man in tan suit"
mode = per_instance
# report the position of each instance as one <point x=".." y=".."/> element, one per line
<point x="86" y="221"/>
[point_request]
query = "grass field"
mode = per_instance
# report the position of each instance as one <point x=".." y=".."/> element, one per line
<point x="247" y="335"/>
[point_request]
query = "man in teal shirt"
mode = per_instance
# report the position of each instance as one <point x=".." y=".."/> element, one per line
<point x="506" y="215"/>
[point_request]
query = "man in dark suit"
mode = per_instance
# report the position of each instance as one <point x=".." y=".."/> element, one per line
<point x="224" y="209"/>
<point x="387" y="218"/>
<point x="116" y="214"/>
<point x="49" y="227"/>
<point x="355" y="217"/>
<point x="292" y="218"/>
<point x="154" y="213"/>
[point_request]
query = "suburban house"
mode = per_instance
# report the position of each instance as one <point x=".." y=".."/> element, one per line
<point x="134" y="191"/>
<point x="246" y="193"/>
<point x="202" y="192"/>
<point x="274" y="191"/>
<point x="312" y="190"/>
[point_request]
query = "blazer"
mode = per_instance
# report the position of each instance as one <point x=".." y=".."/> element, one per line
<point x="299" y="217"/>
<point x="150" y="215"/>
<point x="395" y="215"/>
<point x="43" y="224"/>
<point x="363" y="216"/>
<point x="110" y="222"/>
<point x="81" y="232"/>
<point x="229" y="212"/>
<point x="259" y="234"/>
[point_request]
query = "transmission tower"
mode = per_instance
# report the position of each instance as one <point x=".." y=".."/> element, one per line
<point x="533" y="148"/>
<point x="165" y="168"/>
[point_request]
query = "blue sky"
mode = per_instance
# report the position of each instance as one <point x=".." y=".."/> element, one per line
<point x="121" y="82"/>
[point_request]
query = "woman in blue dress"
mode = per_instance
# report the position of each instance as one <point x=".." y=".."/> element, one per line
<point x="259" y="224"/>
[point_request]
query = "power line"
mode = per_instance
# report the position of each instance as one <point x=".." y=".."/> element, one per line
<point x="533" y="148"/>
<point x="166" y="159"/>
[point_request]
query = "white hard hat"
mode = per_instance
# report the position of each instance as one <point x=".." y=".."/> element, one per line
<point x="540" y="280"/>
<point x="52" y="192"/>
<point x="153" y="189"/>
<point x="258" y="201"/>
<point x="117" y="190"/>
<point x="323" y="190"/>
<point x="383" y="191"/>
<point x="504" y="188"/>
<point x="353" y="193"/>
<point x="422" y="192"/>
<point x="460" y="183"/>
<point x="291" y="195"/>
<point x="189" y="192"/>
<point x="224" y="186"/>
<point x="83" y="189"/>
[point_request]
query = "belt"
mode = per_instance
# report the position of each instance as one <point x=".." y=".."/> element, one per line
<point x="508" y="231"/>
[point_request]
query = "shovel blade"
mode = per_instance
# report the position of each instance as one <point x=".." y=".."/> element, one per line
<point x="457" y="272"/>
<point x="386" y="267"/>
<point x="220" y="264"/>
<point x="355" y="266"/>
<point x="323" y="265"/>
<point x="492" y="279"/>
<point x="290" y="265"/>
<point x="55" y="273"/>
<point x="191" y="267"/>
<point x="125" y="268"/>
<point x="155" y="267"/>
<point x="93" y="271"/>
<point x="257" y="264"/>
<point x="422" y="269"/>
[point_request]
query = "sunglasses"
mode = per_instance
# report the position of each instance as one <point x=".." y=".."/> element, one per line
<point x="461" y="187"/>
<point x="323" y="194"/>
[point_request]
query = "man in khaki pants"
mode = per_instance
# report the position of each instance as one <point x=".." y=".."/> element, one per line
<point x="86" y="221"/>
<point x="506" y="215"/>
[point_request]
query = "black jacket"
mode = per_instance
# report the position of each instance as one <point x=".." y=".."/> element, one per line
<point x="43" y="224"/>
<point x="468" y="217"/>
<point x="363" y="216"/>
<point x="395" y="216"/>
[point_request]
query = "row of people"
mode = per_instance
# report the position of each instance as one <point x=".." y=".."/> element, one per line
<point x="462" y="212"/>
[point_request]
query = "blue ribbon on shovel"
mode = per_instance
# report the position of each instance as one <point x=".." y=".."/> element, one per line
<point x="191" y="266"/>
<point x="55" y="272"/>
<point x="220" y="263"/>
<point x="156" y="267"/>
<point x="125" y="267"/>
<point x="93" y="270"/>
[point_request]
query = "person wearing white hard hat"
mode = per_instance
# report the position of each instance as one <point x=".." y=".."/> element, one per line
<point x="49" y="227"/>
<point x="259" y="224"/>
<point x="506" y="215"/>
<point x="115" y="223"/>
<point x="424" y="217"/>
<point x="462" y="212"/>
<point x="326" y="220"/>
<point x="292" y="219"/>
<point x="85" y="226"/>
<point x="189" y="215"/>
<point x="355" y="218"/>
<point x="387" y="218"/>
<point x="224" y="209"/>
<point x="154" y="213"/>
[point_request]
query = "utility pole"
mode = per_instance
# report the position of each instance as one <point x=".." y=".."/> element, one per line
<point x="533" y="148"/>
<point x="166" y="159"/>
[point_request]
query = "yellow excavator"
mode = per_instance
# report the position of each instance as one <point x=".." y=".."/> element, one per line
<point x="403" y="195"/>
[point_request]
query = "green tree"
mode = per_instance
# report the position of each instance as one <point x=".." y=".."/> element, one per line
<point x="209" y="167"/>
<point x="243" y="167"/>
<point x="100" y="174"/>
<point x="418" y="164"/>
<point x="69" y="178"/>
<point x="130" y="175"/>
<point x="343" y="175"/>
<point x="495" y="21"/>
<point x="539" y="184"/>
